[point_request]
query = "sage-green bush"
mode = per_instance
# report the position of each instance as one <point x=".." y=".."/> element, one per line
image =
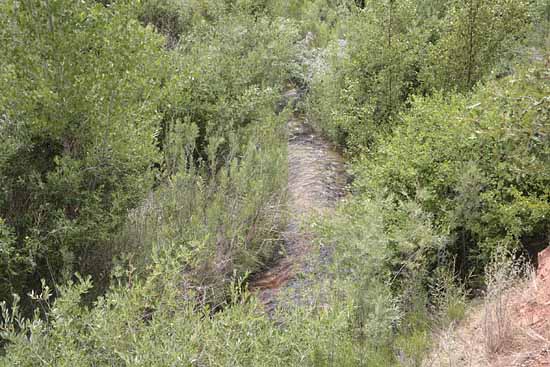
<point x="221" y="193"/>
<point x="222" y="225"/>
<point x="371" y="76"/>
<point x="156" y="321"/>
<point x="141" y="144"/>
<point x="92" y="102"/>
<point x="473" y="38"/>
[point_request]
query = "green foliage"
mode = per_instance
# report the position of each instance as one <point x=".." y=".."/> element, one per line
<point x="478" y="164"/>
<point x="224" y="161"/>
<point x="91" y="95"/>
<point x="232" y="83"/>
<point x="474" y="36"/>
<point x="219" y="226"/>
<point x="13" y="262"/>
<point x="155" y="320"/>
<point x="167" y="154"/>
<point x="456" y="177"/>
<point x="320" y="18"/>
<point x="176" y="19"/>
<point x="539" y="12"/>
<point x="80" y="86"/>
<point x="148" y="322"/>
<point x="396" y="49"/>
<point x="169" y="17"/>
<point x="372" y="76"/>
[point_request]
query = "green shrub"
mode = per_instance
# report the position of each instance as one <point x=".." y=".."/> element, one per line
<point x="80" y="90"/>
<point x="93" y="101"/>
<point x="227" y="224"/>
<point x="478" y="164"/>
<point x="539" y="12"/>
<point x="371" y="76"/>
<point x="170" y="17"/>
<point x="92" y="97"/>
<point x="232" y="83"/>
<point x="396" y="49"/>
<point x="474" y="36"/>
<point x="221" y="195"/>
<point x="155" y="321"/>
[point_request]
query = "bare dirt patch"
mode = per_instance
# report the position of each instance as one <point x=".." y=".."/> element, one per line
<point x="522" y="320"/>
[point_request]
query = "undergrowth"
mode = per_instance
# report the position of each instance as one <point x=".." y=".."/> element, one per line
<point x="154" y="164"/>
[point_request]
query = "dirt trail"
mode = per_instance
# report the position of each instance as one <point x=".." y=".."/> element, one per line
<point x="316" y="181"/>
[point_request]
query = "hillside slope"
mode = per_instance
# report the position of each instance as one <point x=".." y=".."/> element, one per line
<point x="510" y="328"/>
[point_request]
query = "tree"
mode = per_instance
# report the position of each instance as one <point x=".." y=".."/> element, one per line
<point x="475" y="35"/>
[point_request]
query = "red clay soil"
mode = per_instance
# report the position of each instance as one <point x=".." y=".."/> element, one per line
<point x="529" y="315"/>
<point x="525" y="342"/>
<point x="534" y="315"/>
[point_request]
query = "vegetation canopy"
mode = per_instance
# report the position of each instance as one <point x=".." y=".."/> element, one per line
<point x="172" y="190"/>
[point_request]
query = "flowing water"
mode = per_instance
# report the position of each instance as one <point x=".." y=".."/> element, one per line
<point x="316" y="182"/>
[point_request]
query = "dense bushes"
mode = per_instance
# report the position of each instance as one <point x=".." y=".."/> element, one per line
<point x="394" y="50"/>
<point x="213" y="217"/>
<point x="232" y="83"/>
<point x="224" y="152"/>
<point x="172" y="160"/>
<point x="370" y="76"/>
<point x="94" y="107"/>
<point x="148" y="322"/>
<point x="353" y="318"/>
<point x="478" y="163"/>
<point x="457" y="174"/>
<point x="442" y="153"/>
<point x="218" y="226"/>
<point x="121" y="111"/>
<point x="78" y="114"/>
<point x="472" y="38"/>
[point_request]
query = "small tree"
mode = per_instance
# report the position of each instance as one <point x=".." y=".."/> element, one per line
<point x="475" y="35"/>
<point x="384" y="48"/>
